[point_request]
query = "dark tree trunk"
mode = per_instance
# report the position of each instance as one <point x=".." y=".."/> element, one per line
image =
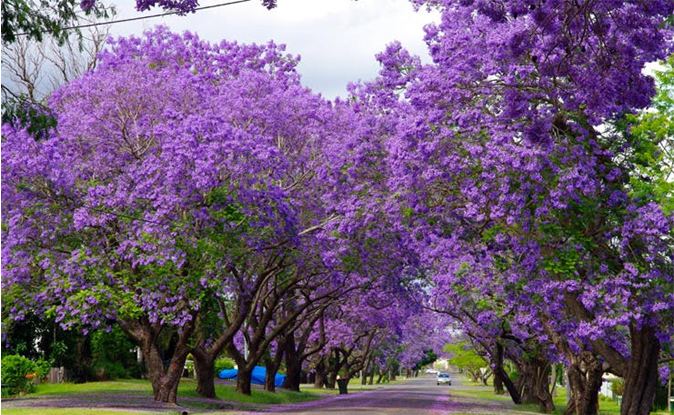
<point x="510" y="386"/>
<point x="272" y="364"/>
<point x="243" y="379"/>
<point x="293" y="377"/>
<point x="585" y="378"/>
<point x="164" y="382"/>
<point x="576" y="381"/>
<point x="498" y="364"/>
<point x="319" y="382"/>
<point x="641" y="378"/>
<point x="270" y="376"/>
<point x="364" y="373"/>
<point x="381" y="376"/>
<point x="331" y="380"/>
<point x="293" y="363"/>
<point x="372" y="370"/>
<point x="204" y="367"/>
<point x="333" y="370"/>
<point x="293" y="369"/>
<point x="296" y="350"/>
<point x="536" y="383"/>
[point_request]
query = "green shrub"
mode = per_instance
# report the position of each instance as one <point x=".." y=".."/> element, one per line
<point x="112" y="355"/>
<point x="222" y="364"/>
<point x="106" y="370"/>
<point x="16" y="373"/>
<point x="661" y="398"/>
<point x="5" y="392"/>
<point x="42" y="367"/>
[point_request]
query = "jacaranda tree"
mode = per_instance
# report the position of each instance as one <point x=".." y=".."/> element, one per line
<point x="147" y="197"/>
<point x="510" y="159"/>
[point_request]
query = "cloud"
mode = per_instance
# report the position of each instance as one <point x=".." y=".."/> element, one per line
<point x="337" y="39"/>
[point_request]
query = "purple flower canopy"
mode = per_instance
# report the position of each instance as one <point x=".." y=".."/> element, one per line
<point x="495" y="184"/>
<point x="510" y="155"/>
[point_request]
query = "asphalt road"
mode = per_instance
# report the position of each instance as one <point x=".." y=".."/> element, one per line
<point x="419" y="396"/>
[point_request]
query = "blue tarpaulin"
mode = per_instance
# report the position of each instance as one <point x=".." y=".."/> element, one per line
<point x="257" y="377"/>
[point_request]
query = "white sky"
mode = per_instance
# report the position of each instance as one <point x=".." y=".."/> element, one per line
<point x="337" y="39"/>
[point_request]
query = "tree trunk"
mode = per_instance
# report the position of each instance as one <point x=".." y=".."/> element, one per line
<point x="498" y="374"/>
<point x="537" y="384"/>
<point x="577" y="386"/>
<point x="475" y="375"/>
<point x="270" y="377"/>
<point x="243" y="379"/>
<point x="164" y="382"/>
<point x="331" y="380"/>
<point x="485" y="377"/>
<point x="293" y="378"/>
<point x="293" y="363"/>
<point x="510" y="386"/>
<point x="381" y="376"/>
<point x="333" y="370"/>
<point x="364" y="373"/>
<point x="293" y="370"/>
<point x="204" y="367"/>
<point x="319" y="382"/>
<point x="641" y="378"/>
<point x="272" y="364"/>
<point x="585" y="378"/>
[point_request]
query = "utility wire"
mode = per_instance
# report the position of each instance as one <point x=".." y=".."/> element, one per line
<point x="145" y="17"/>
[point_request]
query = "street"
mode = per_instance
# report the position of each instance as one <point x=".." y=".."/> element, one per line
<point x="418" y="396"/>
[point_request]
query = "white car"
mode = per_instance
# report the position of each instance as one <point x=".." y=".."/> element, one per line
<point x="444" y="378"/>
<point x="431" y="371"/>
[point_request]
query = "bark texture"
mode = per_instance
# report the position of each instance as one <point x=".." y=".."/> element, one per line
<point x="641" y="378"/>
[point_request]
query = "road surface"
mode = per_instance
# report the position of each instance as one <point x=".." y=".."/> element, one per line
<point x="418" y="396"/>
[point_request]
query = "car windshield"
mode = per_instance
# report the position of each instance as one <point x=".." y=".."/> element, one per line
<point x="443" y="375"/>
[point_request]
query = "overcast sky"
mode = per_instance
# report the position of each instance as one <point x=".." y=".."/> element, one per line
<point x="337" y="39"/>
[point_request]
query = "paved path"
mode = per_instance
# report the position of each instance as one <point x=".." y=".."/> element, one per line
<point x="420" y="396"/>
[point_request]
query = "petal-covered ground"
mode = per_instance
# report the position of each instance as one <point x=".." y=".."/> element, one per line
<point x="419" y="396"/>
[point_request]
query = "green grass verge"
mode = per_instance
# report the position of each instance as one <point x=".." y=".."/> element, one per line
<point x="90" y="411"/>
<point x="117" y="392"/>
<point x="119" y="387"/>
<point x="121" y="390"/>
<point x="186" y="389"/>
<point x="258" y="396"/>
<point x="479" y="391"/>
<point x="74" y="411"/>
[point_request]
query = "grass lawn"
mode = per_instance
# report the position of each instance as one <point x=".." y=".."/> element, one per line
<point x="479" y="391"/>
<point x="124" y="394"/>
<point x="119" y="387"/>
<point x="77" y="411"/>
<point x="136" y="387"/>
<point x="127" y="393"/>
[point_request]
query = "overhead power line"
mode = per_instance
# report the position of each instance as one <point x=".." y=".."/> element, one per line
<point x="152" y="16"/>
